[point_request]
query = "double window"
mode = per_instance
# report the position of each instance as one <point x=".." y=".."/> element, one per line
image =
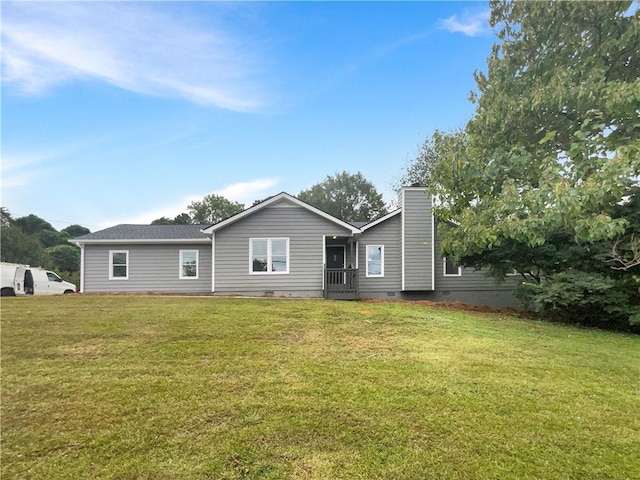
<point x="118" y="264"/>
<point x="375" y="260"/>
<point x="188" y="264"/>
<point x="268" y="255"/>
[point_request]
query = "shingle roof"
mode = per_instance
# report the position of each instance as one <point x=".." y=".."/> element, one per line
<point x="146" y="232"/>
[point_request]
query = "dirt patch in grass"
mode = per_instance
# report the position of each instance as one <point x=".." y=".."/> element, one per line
<point x="460" y="306"/>
<point x="369" y="346"/>
<point x="84" y="350"/>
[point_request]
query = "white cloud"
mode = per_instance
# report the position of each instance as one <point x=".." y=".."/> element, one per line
<point x="246" y="192"/>
<point x="150" y="50"/>
<point x="16" y="180"/>
<point x="470" y="24"/>
<point x="21" y="170"/>
<point x="242" y="192"/>
<point x="12" y="162"/>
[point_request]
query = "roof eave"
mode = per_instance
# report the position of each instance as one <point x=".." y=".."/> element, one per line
<point x="140" y="241"/>
<point x="381" y="219"/>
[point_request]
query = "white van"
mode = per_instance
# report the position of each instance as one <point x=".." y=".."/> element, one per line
<point x="25" y="280"/>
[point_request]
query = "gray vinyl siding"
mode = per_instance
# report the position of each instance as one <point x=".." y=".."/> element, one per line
<point x="473" y="286"/>
<point x="386" y="233"/>
<point x="471" y="279"/>
<point x="418" y="245"/>
<point x="304" y="230"/>
<point x="152" y="268"/>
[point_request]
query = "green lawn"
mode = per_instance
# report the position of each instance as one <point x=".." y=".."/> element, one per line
<point x="175" y="388"/>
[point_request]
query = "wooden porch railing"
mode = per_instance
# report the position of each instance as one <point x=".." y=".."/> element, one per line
<point x="341" y="284"/>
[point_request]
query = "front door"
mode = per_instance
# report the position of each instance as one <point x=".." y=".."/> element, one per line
<point x="335" y="256"/>
<point x="335" y="259"/>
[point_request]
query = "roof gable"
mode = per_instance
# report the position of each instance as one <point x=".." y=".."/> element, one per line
<point x="283" y="196"/>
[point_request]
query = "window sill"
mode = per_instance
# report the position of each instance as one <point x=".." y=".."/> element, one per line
<point x="268" y="273"/>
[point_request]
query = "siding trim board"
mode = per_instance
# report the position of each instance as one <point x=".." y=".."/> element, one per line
<point x="402" y="237"/>
<point x="433" y="248"/>
<point x="381" y="219"/>
<point x="213" y="262"/>
<point x="150" y="241"/>
<point x="324" y="260"/>
<point x="81" y="268"/>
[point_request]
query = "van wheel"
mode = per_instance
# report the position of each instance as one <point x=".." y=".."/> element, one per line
<point x="68" y="291"/>
<point x="7" y="292"/>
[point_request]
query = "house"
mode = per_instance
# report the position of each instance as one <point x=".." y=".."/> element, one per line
<point x="286" y="247"/>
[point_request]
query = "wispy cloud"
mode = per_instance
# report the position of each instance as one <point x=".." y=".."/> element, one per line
<point x="154" y="50"/>
<point x="471" y="24"/>
<point x="20" y="170"/>
<point x="243" y="192"/>
<point x="246" y="192"/>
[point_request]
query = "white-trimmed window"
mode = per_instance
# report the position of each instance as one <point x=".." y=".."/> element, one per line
<point x="451" y="269"/>
<point x="189" y="264"/>
<point x="268" y="255"/>
<point x="118" y="264"/>
<point x="375" y="260"/>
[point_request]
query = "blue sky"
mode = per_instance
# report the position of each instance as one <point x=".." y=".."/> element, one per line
<point x="125" y="112"/>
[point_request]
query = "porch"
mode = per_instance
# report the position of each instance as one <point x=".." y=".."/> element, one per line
<point x="341" y="284"/>
<point x="341" y="268"/>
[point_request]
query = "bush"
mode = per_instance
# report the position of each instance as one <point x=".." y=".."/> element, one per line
<point x="586" y="298"/>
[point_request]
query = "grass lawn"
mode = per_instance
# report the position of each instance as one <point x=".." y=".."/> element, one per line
<point x="180" y="388"/>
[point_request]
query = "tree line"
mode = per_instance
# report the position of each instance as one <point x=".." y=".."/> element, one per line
<point x="32" y="240"/>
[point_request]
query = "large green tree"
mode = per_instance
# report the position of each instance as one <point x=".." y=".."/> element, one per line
<point x="33" y="224"/>
<point x="420" y="169"/>
<point x="65" y="258"/>
<point x="182" y="219"/>
<point x="212" y="209"/>
<point x="33" y="241"/>
<point x="16" y="246"/>
<point x="553" y="150"/>
<point x="75" y="230"/>
<point x="349" y="197"/>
